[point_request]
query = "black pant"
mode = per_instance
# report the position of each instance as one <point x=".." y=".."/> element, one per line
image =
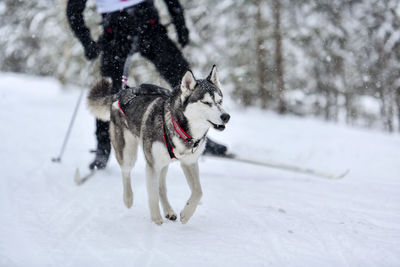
<point x="139" y="26"/>
<point x="136" y="26"/>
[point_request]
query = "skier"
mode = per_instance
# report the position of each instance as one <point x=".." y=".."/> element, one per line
<point x="127" y="24"/>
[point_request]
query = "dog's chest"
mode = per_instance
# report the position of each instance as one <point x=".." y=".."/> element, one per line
<point x="181" y="150"/>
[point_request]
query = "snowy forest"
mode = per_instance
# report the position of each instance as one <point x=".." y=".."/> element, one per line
<point x="309" y="174"/>
<point x="336" y="60"/>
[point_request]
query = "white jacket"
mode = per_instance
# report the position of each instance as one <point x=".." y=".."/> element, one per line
<point x="106" y="6"/>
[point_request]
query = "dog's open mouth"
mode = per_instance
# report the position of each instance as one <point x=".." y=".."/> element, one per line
<point x="219" y="127"/>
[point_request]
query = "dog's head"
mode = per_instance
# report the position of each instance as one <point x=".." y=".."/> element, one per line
<point x="202" y="100"/>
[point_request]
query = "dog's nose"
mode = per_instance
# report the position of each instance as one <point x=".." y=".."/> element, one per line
<point x="225" y="117"/>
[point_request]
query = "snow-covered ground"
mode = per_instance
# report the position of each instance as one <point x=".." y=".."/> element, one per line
<point x="249" y="215"/>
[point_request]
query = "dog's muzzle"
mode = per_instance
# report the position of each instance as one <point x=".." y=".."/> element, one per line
<point x="220" y="127"/>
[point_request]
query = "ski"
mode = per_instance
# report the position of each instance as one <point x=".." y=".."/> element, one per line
<point x="81" y="179"/>
<point x="282" y="166"/>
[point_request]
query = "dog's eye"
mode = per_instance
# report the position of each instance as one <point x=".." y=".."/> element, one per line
<point x="220" y="102"/>
<point x="206" y="103"/>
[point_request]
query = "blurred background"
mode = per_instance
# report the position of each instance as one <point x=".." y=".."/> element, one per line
<point x="336" y="60"/>
<point x="305" y="82"/>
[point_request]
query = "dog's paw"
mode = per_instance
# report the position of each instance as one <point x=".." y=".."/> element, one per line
<point x="128" y="200"/>
<point x="157" y="220"/>
<point x="187" y="213"/>
<point x="171" y="216"/>
<point x="185" y="217"/>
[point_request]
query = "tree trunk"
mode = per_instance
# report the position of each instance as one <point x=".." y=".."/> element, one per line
<point x="383" y="107"/>
<point x="328" y="106"/>
<point x="349" y="107"/>
<point x="348" y="95"/>
<point x="336" y="106"/>
<point x="397" y="99"/>
<point x="261" y="58"/>
<point x="390" y="113"/>
<point x="282" y="108"/>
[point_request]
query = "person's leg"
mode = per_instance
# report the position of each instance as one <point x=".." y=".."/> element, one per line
<point x="103" y="145"/>
<point x="115" y="46"/>
<point x="214" y="148"/>
<point x="155" y="45"/>
<point x="164" y="54"/>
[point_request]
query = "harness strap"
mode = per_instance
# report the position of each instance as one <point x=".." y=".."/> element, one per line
<point x="168" y="144"/>
<point x="121" y="108"/>
<point x="180" y="131"/>
<point x="185" y="136"/>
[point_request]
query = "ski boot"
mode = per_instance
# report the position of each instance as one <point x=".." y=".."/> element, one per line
<point x="213" y="148"/>
<point x="103" y="146"/>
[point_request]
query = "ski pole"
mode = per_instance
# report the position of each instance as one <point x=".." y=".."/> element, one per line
<point x="71" y="123"/>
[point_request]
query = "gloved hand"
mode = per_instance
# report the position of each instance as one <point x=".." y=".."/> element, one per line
<point x="183" y="35"/>
<point x="92" y="50"/>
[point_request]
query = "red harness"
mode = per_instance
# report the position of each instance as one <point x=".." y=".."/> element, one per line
<point x="121" y="109"/>
<point x="178" y="129"/>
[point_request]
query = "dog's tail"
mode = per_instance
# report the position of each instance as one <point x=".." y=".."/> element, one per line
<point x="100" y="99"/>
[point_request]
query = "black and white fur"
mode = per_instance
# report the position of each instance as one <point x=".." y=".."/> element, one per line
<point x="195" y="105"/>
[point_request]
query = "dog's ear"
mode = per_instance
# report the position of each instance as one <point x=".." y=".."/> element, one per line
<point x="188" y="83"/>
<point x="212" y="77"/>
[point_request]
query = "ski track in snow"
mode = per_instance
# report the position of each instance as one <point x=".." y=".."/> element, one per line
<point x="249" y="215"/>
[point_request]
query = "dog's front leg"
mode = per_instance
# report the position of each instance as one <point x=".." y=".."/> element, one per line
<point x="152" y="180"/>
<point x="193" y="179"/>
<point x="168" y="211"/>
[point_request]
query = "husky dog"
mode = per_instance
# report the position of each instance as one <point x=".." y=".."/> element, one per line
<point x="169" y="125"/>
